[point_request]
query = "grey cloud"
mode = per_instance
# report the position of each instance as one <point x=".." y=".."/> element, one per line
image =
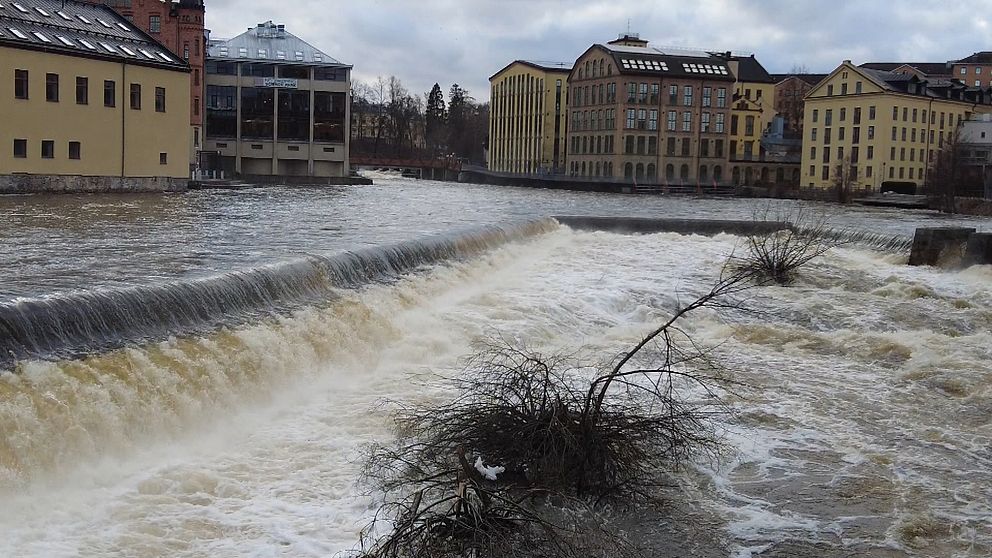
<point x="465" y="41"/>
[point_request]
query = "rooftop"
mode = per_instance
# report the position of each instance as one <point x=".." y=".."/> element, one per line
<point x="268" y="42"/>
<point x="667" y="61"/>
<point x="926" y="68"/>
<point x="984" y="57"/>
<point x="80" y="29"/>
<point x="751" y="71"/>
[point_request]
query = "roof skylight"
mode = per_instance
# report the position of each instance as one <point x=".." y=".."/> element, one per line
<point x="84" y="20"/>
<point x="147" y="54"/>
<point x="87" y="44"/>
<point x="124" y="27"/>
<point x="41" y="37"/>
<point x="108" y="48"/>
<point x="165" y="57"/>
<point x="20" y="8"/>
<point x="17" y="33"/>
<point x="65" y="41"/>
<point x="104" y="23"/>
<point x="42" y="12"/>
<point x="63" y="15"/>
<point x="128" y="51"/>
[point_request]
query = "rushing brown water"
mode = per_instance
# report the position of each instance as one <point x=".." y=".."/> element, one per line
<point x="862" y="427"/>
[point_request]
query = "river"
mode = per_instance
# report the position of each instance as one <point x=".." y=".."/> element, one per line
<point x="862" y="425"/>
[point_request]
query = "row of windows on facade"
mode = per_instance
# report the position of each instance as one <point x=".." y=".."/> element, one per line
<point x="644" y="145"/>
<point x="853" y="170"/>
<point x="155" y="26"/>
<point x="917" y="115"/>
<point x="907" y="135"/>
<point x="595" y="68"/>
<point x="521" y="85"/>
<point x="48" y="150"/>
<point x="844" y="87"/>
<point x="855" y="153"/>
<point x="258" y="119"/>
<point x="320" y="73"/>
<point x="22" y="90"/>
<point x="643" y="119"/>
<point x="645" y="93"/>
<point x="648" y="172"/>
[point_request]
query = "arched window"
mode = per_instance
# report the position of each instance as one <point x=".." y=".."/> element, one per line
<point x="670" y="172"/>
<point x="684" y="173"/>
<point x="583" y="168"/>
<point x="780" y="175"/>
<point x="628" y="170"/>
<point x="764" y="175"/>
<point x="597" y="168"/>
<point x="652" y="173"/>
<point x="737" y="176"/>
<point x="748" y="176"/>
<point x="702" y="173"/>
<point x="717" y="173"/>
<point x="640" y="170"/>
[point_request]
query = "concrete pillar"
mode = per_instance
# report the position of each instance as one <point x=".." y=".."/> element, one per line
<point x="978" y="250"/>
<point x="932" y="245"/>
<point x="275" y="131"/>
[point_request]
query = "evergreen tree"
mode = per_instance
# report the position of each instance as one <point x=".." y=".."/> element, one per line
<point x="436" y="119"/>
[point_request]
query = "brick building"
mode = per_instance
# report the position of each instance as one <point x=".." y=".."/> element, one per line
<point x="649" y="115"/>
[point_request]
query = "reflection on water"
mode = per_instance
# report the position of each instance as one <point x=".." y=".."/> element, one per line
<point x="58" y="243"/>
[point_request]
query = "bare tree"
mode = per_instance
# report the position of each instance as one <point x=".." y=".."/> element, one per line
<point x="844" y="179"/>
<point x="947" y="174"/>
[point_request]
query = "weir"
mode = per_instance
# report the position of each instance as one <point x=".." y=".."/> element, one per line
<point x="73" y="324"/>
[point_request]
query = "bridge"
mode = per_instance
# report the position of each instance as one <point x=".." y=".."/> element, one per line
<point x="431" y="169"/>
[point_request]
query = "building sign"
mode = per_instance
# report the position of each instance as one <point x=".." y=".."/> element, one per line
<point x="281" y="83"/>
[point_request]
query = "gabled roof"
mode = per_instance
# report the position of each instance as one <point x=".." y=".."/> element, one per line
<point x="926" y="68"/>
<point x="750" y="70"/>
<point x="984" y="57"/>
<point x="667" y="62"/>
<point x="80" y="29"/>
<point x="268" y="42"/>
<point x="811" y="79"/>
<point x="537" y="65"/>
<point x="910" y="84"/>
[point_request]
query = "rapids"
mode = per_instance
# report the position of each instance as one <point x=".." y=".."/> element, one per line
<point x="862" y="425"/>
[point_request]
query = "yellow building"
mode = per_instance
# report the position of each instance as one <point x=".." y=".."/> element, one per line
<point x="753" y="107"/>
<point x="528" y="118"/>
<point x="877" y="126"/>
<point x="88" y="95"/>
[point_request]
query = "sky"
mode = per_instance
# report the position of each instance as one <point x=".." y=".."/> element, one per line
<point x="466" y="41"/>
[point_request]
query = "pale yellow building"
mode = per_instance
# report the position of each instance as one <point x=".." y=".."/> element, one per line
<point x="528" y="118"/>
<point x="88" y="95"/>
<point x="879" y="126"/>
<point x="753" y="107"/>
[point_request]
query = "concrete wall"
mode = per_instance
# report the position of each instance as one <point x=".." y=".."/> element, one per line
<point x="51" y="184"/>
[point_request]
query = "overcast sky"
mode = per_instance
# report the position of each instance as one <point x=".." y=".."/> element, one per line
<point x="466" y="41"/>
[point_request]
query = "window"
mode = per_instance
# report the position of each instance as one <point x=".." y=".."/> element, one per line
<point x="830" y="90"/>
<point x="74" y="150"/>
<point x="964" y="71"/>
<point x="871" y="132"/>
<point x="82" y="91"/>
<point x="643" y="93"/>
<point x="843" y="88"/>
<point x="641" y="119"/>
<point x="673" y="94"/>
<point x="843" y="114"/>
<point x="186" y="51"/>
<point x="109" y="93"/>
<point x="159" y="99"/>
<point x="707" y="96"/>
<point x="871" y="112"/>
<point x="47" y="149"/>
<point x="653" y="122"/>
<point x="196" y="76"/>
<point x="687" y="96"/>
<point x="136" y="96"/>
<point x="686" y="121"/>
<point x="749" y="125"/>
<point x="154" y="24"/>
<point x="631" y="115"/>
<point x="721" y="97"/>
<point x="718" y="148"/>
<point x="20" y="84"/>
<point x="720" y="123"/>
<point x="163" y="158"/>
<point x="816" y="115"/>
<point x="52" y="88"/>
<point x="895" y="114"/>
<point x="828" y="117"/>
<point x="672" y="118"/>
<point x="705" y="122"/>
<point x="858" y="88"/>
<point x="20" y="148"/>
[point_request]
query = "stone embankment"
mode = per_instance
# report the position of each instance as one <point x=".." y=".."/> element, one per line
<point x="52" y="184"/>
